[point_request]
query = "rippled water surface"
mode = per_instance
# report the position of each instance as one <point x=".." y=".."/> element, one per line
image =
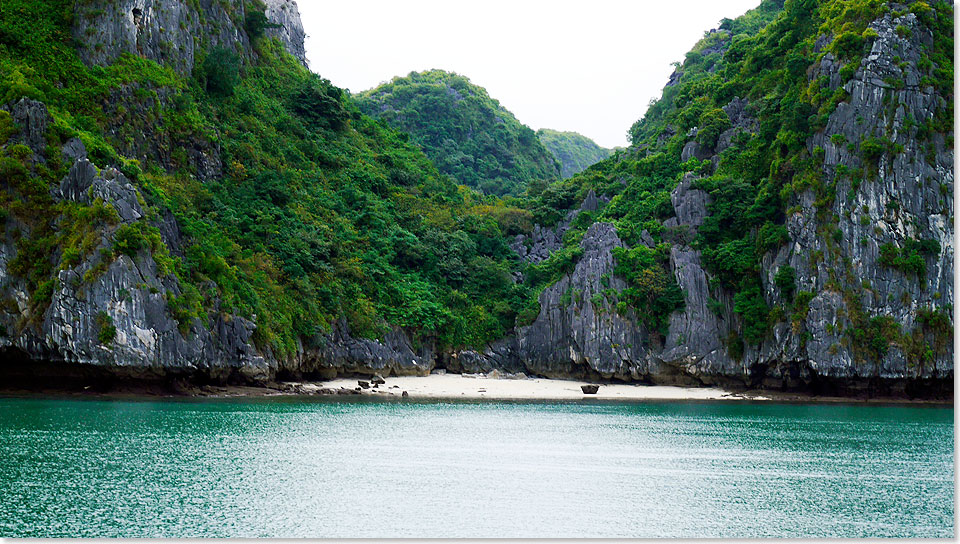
<point x="323" y="469"/>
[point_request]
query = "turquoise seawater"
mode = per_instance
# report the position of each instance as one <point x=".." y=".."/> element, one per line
<point x="288" y="468"/>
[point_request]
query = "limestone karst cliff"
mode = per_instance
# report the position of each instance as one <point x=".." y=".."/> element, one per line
<point x="183" y="200"/>
<point x="858" y="317"/>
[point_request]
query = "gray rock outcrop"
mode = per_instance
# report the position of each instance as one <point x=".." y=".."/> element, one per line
<point x="32" y="118"/>
<point x="902" y="198"/>
<point x="289" y="31"/>
<point x="539" y="244"/>
<point x="112" y="315"/>
<point x="905" y="196"/>
<point x="128" y="296"/>
<point x="341" y="353"/>
<point x="168" y="31"/>
<point x="579" y="331"/>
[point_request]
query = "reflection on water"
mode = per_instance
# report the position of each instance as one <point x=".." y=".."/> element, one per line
<point x="287" y="468"/>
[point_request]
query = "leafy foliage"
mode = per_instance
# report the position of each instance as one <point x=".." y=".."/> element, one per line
<point x="221" y="69"/>
<point x="467" y="134"/>
<point x="910" y="258"/>
<point x="653" y="292"/>
<point x="255" y="22"/>
<point x="575" y="151"/>
<point x="786" y="281"/>
<point x="106" y="331"/>
<point x="320" y="213"/>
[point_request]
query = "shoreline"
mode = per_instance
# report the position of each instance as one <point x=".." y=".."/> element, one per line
<point x="459" y="387"/>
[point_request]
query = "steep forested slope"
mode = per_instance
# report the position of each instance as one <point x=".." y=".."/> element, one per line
<point x="234" y="184"/>
<point x="467" y="134"/>
<point x="182" y="197"/>
<point x="783" y="218"/>
<point x="574" y="151"/>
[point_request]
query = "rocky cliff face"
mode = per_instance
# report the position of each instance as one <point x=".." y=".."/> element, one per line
<point x="113" y="315"/>
<point x="904" y="198"/>
<point x="837" y="251"/>
<point x="543" y="241"/>
<point x="579" y="331"/>
<point x="117" y="314"/>
<point x="173" y="32"/>
<point x="289" y="29"/>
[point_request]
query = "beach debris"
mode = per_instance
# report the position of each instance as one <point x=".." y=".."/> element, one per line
<point x="404" y="394"/>
<point x="377" y="380"/>
<point x="494" y="374"/>
<point x="363" y="384"/>
<point x="439" y="371"/>
<point x="590" y="389"/>
<point x="394" y="387"/>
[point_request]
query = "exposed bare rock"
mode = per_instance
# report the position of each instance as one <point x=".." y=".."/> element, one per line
<point x="33" y="119"/>
<point x="341" y="353"/>
<point x="579" y="331"/>
<point x="693" y="150"/>
<point x="290" y="32"/>
<point x="690" y="204"/>
<point x="85" y="184"/>
<point x="168" y="31"/>
<point x="545" y="240"/>
<point x="130" y="298"/>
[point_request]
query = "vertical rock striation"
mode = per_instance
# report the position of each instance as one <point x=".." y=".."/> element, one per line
<point x="836" y="249"/>
<point x="174" y="32"/>
<point x="115" y="312"/>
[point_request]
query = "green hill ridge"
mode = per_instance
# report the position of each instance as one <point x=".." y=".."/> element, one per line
<point x="467" y="134"/>
<point x="575" y="151"/>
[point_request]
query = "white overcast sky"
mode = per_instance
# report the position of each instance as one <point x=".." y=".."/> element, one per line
<point x="589" y="66"/>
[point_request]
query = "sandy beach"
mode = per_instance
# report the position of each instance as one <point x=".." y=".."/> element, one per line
<point x="440" y="386"/>
<point x="479" y="386"/>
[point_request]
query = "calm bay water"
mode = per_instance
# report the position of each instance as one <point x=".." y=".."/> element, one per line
<point x="286" y="468"/>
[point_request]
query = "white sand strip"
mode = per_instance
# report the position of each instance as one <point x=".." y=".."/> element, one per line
<point x="456" y="386"/>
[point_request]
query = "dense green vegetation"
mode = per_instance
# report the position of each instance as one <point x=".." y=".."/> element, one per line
<point x="762" y="170"/>
<point x="575" y="151"/>
<point x="467" y="134"/>
<point x="322" y="212"/>
<point x="763" y="56"/>
<point x="910" y="258"/>
<point x="393" y="207"/>
<point x="651" y="286"/>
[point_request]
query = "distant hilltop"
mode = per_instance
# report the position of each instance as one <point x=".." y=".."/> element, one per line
<point x="467" y="134"/>
<point x="575" y="151"/>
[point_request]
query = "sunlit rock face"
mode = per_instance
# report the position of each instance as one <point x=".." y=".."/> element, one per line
<point x="171" y="32"/>
<point x="907" y="198"/>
